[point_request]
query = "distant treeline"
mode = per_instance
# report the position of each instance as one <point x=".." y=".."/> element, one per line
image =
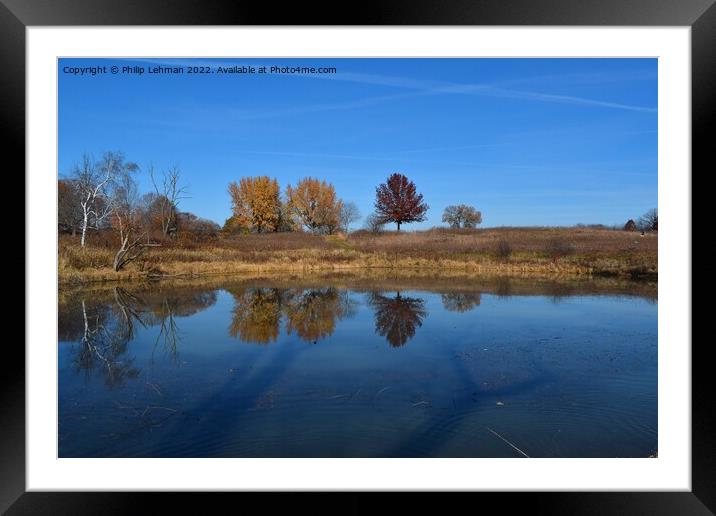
<point x="103" y="194"/>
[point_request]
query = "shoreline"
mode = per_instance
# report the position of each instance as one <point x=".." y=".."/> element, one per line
<point x="380" y="280"/>
<point x="521" y="270"/>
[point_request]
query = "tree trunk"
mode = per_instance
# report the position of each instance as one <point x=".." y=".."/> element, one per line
<point x="129" y="252"/>
<point x="119" y="257"/>
<point x="398" y="226"/>
<point x="84" y="229"/>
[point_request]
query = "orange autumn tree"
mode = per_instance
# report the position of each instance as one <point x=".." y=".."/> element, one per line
<point x="256" y="203"/>
<point x="314" y="204"/>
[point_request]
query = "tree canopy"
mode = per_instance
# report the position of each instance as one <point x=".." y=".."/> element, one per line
<point x="397" y="201"/>
<point x="314" y="204"/>
<point x="462" y="216"/>
<point x="256" y="203"/>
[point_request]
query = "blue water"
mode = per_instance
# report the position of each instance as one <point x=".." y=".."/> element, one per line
<point x="271" y="371"/>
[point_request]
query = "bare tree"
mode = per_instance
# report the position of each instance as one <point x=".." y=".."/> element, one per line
<point x="94" y="182"/>
<point x="127" y="220"/>
<point x="348" y="215"/>
<point x="649" y="221"/>
<point x="69" y="212"/>
<point x="374" y="223"/>
<point x="168" y="196"/>
<point x="131" y="246"/>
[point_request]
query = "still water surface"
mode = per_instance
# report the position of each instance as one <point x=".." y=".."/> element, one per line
<point x="381" y="369"/>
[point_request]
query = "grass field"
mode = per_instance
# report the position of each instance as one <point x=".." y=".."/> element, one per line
<point x="539" y="252"/>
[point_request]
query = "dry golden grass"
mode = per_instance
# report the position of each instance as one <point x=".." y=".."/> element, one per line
<point x="539" y="252"/>
<point x="449" y="241"/>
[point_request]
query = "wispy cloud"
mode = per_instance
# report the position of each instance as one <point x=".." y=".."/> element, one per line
<point x="584" y="77"/>
<point x="446" y="149"/>
<point x="315" y="155"/>
<point x="421" y="87"/>
<point x="317" y="108"/>
<point x="395" y="157"/>
<point x="566" y="99"/>
<point x="482" y="89"/>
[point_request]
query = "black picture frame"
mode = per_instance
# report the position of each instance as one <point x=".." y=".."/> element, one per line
<point x="700" y="15"/>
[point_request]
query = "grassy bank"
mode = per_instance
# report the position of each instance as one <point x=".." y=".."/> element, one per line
<point x="452" y="281"/>
<point x="533" y="252"/>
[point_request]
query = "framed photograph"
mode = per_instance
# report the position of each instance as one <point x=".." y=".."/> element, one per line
<point x="417" y="250"/>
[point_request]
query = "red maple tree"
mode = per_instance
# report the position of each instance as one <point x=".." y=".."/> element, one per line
<point x="397" y="201"/>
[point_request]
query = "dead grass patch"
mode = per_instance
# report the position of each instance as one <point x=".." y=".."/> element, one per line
<point x="532" y="251"/>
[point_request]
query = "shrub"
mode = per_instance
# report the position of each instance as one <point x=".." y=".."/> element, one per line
<point x="557" y="248"/>
<point x="375" y="224"/>
<point x="630" y="225"/>
<point x="503" y="250"/>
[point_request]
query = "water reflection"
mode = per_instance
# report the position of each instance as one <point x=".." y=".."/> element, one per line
<point x="503" y="288"/>
<point x="168" y="334"/>
<point x="310" y="314"/>
<point x="260" y="315"/>
<point x="104" y="340"/>
<point x="101" y="331"/>
<point x="461" y="301"/>
<point x="123" y="391"/>
<point x="396" y="318"/>
<point x="257" y="315"/>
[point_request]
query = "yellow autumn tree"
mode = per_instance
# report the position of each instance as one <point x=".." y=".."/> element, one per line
<point x="314" y="204"/>
<point x="256" y="316"/>
<point x="256" y="203"/>
<point x="313" y="313"/>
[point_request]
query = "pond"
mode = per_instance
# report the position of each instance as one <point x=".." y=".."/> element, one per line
<point x="342" y="367"/>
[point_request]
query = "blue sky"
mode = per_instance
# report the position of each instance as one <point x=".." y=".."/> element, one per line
<point x="527" y="141"/>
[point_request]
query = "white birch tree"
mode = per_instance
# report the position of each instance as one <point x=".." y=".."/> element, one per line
<point x="94" y="182"/>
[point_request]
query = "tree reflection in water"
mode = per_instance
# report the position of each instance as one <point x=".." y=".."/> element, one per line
<point x="168" y="330"/>
<point x="460" y="301"/>
<point x="106" y="330"/>
<point x="311" y="314"/>
<point x="257" y="315"/>
<point x="104" y="341"/>
<point x="163" y="312"/>
<point x="503" y="289"/>
<point x="396" y="318"/>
